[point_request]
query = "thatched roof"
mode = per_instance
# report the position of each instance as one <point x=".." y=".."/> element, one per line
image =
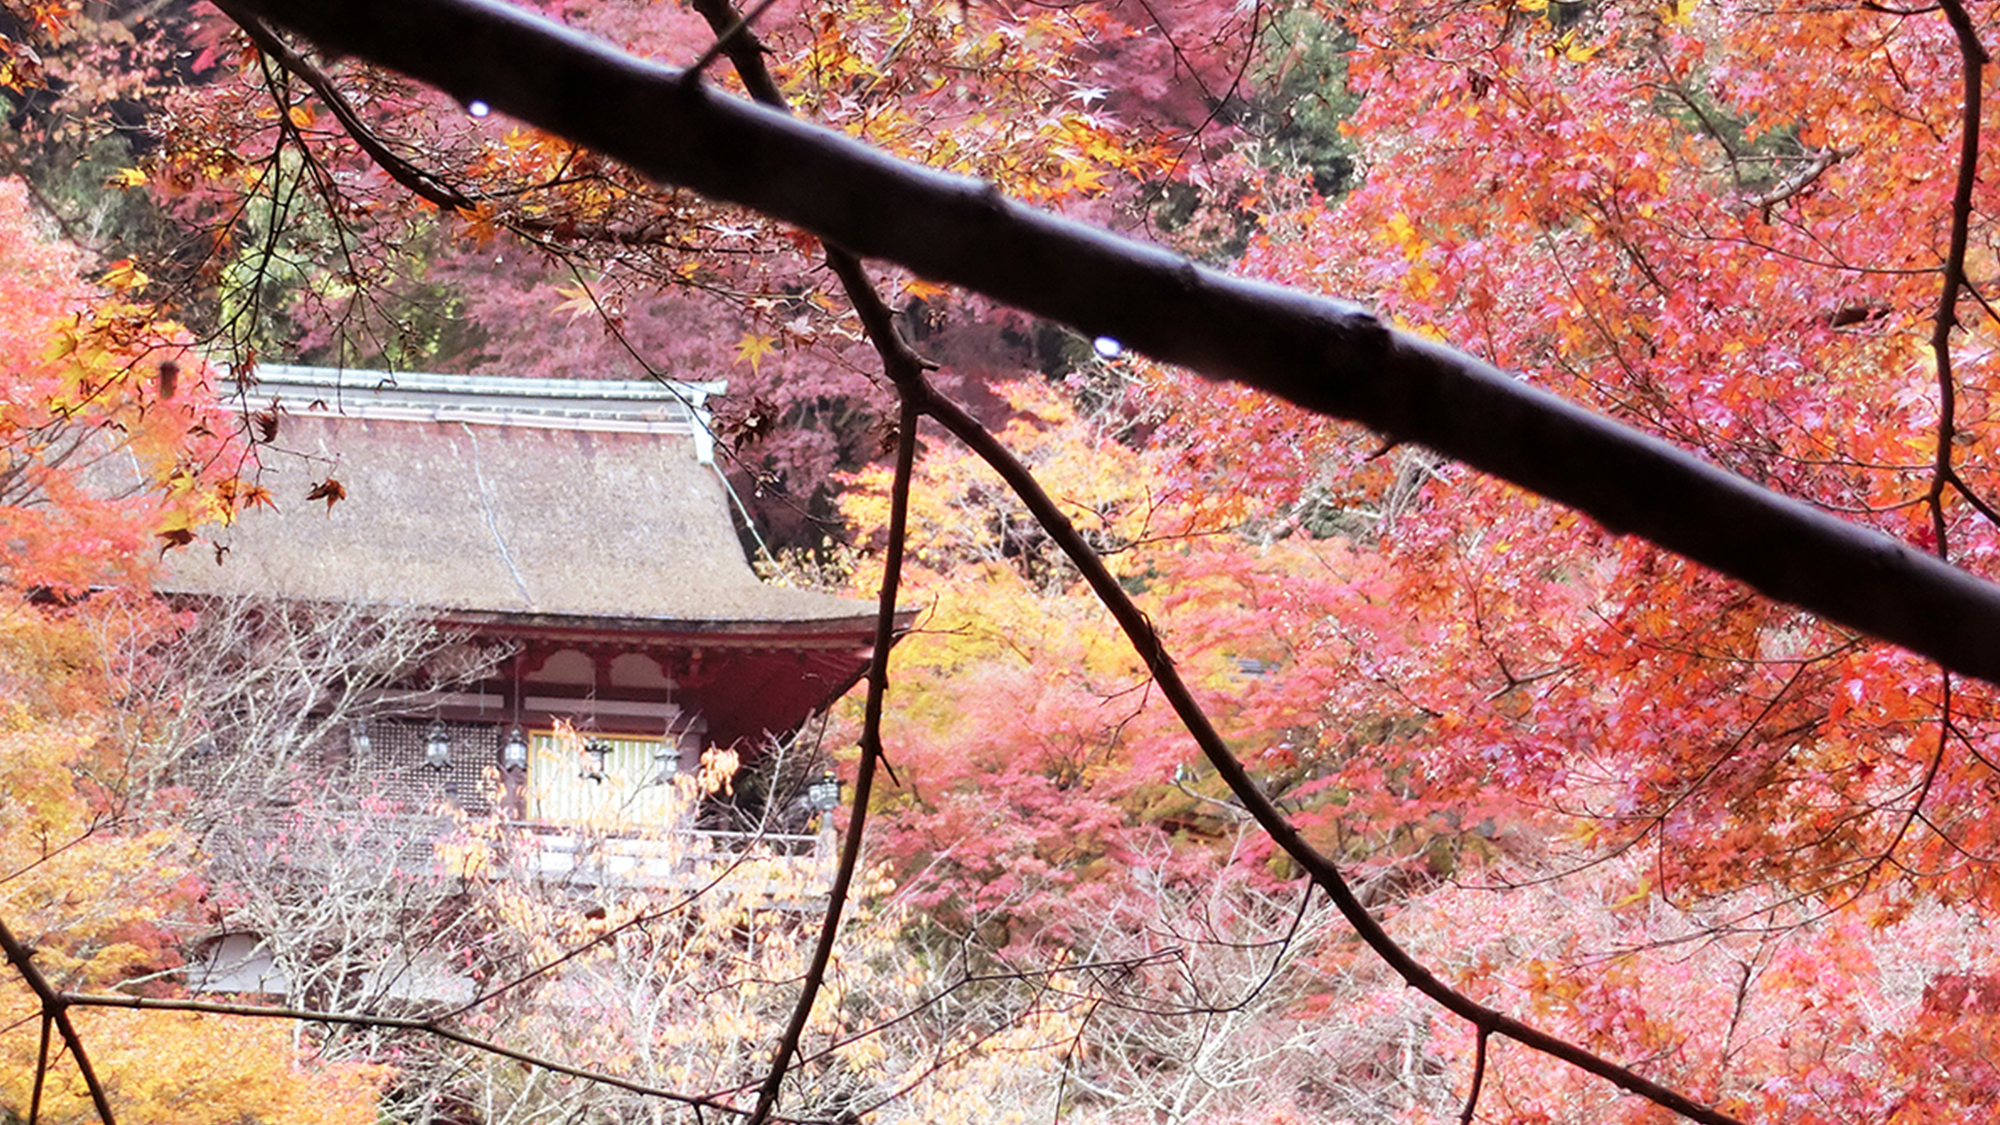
<point x="520" y="500"/>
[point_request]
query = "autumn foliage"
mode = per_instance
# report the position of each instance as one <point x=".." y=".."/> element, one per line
<point x="1742" y="851"/>
<point x="106" y="889"/>
<point x="105" y="462"/>
<point x="1689" y="219"/>
<point x="113" y="447"/>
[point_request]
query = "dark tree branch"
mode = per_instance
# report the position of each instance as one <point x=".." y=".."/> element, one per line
<point x="1321" y="354"/>
<point x="905" y="370"/>
<point x="1944" y="322"/>
<point x="864" y="774"/>
<point x="1979" y="504"/>
<point x="55" y="1008"/>
<point x="422" y="183"/>
<point x="395" y="1023"/>
<point x="41" y="1072"/>
<point x="728" y="40"/>
<point x="1944" y="473"/>
<point x="1478" y="1080"/>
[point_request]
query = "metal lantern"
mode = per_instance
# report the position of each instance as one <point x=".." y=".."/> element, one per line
<point x="514" y="751"/>
<point x="358" y="741"/>
<point x="437" y="746"/>
<point x="666" y="763"/>
<point x="596" y="755"/>
<point x="824" y="795"/>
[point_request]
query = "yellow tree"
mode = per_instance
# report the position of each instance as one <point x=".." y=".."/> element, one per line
<point x="102" y="888"/>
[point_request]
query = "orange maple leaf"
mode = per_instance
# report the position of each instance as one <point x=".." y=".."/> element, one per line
<point x="125" y="277"/>
<point x="482" y="222"/>
<point x="329" y="490"/>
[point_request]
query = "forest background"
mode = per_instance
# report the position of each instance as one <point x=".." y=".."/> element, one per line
<point x="1731" y="856"/>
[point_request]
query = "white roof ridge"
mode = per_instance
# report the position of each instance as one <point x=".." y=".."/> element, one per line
<point x="604" y="405"/>
<point x="608" y="393"/>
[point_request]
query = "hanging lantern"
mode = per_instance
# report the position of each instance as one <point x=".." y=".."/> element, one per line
<point x="437" y="746"/>
<point x="824" y="795"/>
<point x="596" y="755"/>
<point x="514" y="752"/>
<point x="666" y="763"/>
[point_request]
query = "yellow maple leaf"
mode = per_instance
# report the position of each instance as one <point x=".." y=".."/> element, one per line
<point x="577" y="301"/>
<point x="1085" y="180"/>
<point x="301" y="116"/>
<point x="753" y="347"/>
<point x="127" y="178"/>
<point x="1421" y="281"/>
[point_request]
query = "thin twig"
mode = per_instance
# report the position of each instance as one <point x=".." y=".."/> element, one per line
<point x="685" y="901"/>
<point x="424" y="184"/>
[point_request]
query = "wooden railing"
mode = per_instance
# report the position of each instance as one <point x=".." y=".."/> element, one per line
<point x="683" y="858"/>
<point x="318" y="842"/>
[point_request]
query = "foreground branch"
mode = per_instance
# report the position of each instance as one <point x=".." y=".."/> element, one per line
<point x="394" y="1023"/>
<point x="55" y="1009"/>
<point x="1321" y="354"/>
<point x="1944" y="321"/>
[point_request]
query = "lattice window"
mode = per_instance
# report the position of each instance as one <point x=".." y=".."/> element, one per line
<point x="395" y="765"/>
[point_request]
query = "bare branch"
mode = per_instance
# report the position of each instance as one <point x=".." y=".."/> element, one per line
<point x="1322" y="354"/>
<point x="1478" y="1080"/>
<point x="401" y="1023"/>
<point x="55" y="1007"/>
<point x="402" y="171"/>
